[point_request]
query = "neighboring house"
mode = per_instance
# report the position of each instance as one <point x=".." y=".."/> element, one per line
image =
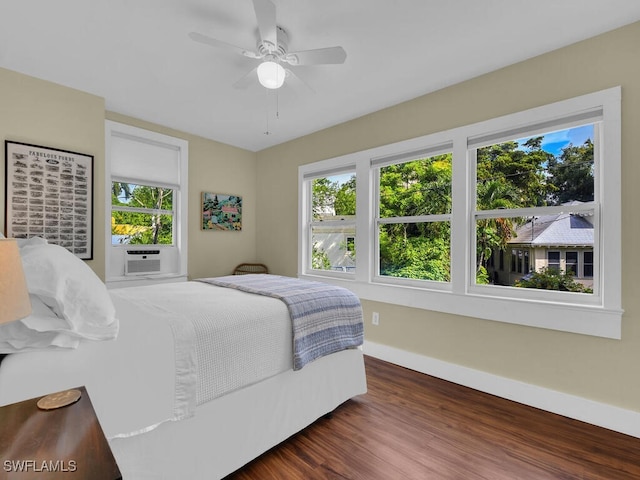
<point x="336" y="242"/>
<point x="563" y="241"/>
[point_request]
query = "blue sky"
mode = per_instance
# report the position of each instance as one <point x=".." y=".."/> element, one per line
<point x="554" y="142"/>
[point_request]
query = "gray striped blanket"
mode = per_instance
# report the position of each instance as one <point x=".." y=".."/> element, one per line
<point x="325" y="318"/>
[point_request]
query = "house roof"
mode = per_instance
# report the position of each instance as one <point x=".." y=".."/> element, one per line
<point x="565" y="229"/>
<point x="139" y="58"/>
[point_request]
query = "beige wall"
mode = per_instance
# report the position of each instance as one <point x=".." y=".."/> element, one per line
<point x="46" y="114"/>
<point x="43" y="113"/>
<point x="598" y="369"/>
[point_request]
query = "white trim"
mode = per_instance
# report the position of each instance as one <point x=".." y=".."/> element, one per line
<point x="571" y="406"/>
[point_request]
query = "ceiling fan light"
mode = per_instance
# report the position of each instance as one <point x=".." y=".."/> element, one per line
<point x="271" y="74"/>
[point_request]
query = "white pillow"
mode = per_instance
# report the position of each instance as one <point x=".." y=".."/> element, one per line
<point x="43" y="318"/>
<point x="41" y="329"/>
<point x="72" y="290"/>
<point x="24" y="242"/>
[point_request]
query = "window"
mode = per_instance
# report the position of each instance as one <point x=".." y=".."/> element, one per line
<point x="553" y="260"/>
<point x="533" y="191"/>
<point x="571" y="262"/>
<point x="147" y="200"/>
<point x="141" y="214"/>
<point x="413" y="222"/>
<point x="332" y="229"/>
<point x="588" y="264"/>
<point x="519" y="261"/>
<point x="351" y="245"/>
<point x="437" y="214"/>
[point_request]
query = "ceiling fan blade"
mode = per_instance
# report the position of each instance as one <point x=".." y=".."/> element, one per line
<point x="199" y="37"/>
<point x="320" y="56"/>
<point x="297" y="82"/>
<point x="266" y="16"/>
<point x="246" y="81"/>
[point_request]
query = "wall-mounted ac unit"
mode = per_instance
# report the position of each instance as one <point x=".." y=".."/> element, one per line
<point x="142" y="262"/>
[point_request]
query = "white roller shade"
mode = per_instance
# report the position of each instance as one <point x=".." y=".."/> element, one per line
<point x="145" y="161"/>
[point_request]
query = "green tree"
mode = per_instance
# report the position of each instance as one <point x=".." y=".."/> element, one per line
<point x="416" y="250"/>
<point x="143" y="228"/>
<point x="324" y="194"/>
<point x="522" y="168"/>
<point x="493" y="233"/>
<point x="572" y="174"/>
<point x="345" y="198"/>
<point x="320" y="259"/>
<point x="509" y="175"/>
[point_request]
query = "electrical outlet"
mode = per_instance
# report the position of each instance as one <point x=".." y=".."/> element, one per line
<point x="375" y="318"/>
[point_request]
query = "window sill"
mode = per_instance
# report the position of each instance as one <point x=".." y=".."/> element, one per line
<point x="573" y="318"/>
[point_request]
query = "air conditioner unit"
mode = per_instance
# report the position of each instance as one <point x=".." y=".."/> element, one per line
<point x="142" y="262"/>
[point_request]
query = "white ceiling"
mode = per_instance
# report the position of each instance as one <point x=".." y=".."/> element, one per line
<point x="137" y="55"/>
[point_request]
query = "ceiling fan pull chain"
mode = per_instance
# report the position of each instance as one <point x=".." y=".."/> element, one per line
<point x="267" y="132"/>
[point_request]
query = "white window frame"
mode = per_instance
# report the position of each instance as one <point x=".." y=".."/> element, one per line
<point x="397" y="159"/>
<point x="306" y="192"/>
<point x="597" y="314"/>
<point x="173" y="257"/>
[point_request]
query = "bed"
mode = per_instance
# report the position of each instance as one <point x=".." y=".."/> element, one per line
<point x="189" y="380"/>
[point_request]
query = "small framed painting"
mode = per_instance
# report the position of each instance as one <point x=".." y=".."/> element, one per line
<point x="221" y="212"/>
<point x="49" y="194"/>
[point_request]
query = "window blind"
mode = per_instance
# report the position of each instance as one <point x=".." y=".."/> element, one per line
<point x="148" y="162"/>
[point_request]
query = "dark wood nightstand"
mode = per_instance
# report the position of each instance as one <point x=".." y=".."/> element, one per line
<point x="67" y="442"/>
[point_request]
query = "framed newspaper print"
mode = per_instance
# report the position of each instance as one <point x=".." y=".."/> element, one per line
<point x="49" y="194"/>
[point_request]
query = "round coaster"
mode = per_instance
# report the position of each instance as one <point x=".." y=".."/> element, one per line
<point x="59" y="399"/>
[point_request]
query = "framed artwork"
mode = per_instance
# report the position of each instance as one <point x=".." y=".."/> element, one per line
<point x="221" y="212"/>
<point x="49" y="194"/>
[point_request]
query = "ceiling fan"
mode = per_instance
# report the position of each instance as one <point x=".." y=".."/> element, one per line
<point x="272" y="50"/>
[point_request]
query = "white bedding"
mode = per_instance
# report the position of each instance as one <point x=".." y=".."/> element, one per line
<point x="139" y="380"/>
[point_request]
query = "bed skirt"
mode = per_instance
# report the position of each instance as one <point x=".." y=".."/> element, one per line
<point x="232" y="430"/>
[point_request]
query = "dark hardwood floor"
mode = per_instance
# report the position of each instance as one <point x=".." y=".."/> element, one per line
<point x="412" y="426"/>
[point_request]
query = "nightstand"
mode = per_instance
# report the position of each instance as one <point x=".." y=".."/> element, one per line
<point x="67" y="442"/>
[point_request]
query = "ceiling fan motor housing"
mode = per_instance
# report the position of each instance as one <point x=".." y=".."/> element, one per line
<point x="267" y="48"/>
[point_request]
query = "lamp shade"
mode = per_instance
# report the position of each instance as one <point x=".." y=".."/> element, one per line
<point x="271" y="74"/>
<point x="14" y="296"/>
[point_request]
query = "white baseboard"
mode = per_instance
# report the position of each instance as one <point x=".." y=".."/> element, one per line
<point x="578" y="408"/>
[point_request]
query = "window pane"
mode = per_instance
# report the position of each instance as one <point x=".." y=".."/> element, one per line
<point x="141" y="228"/>
<point x="333" y="248"/>
<point x="572" y="262"/>
<point x="416" y="250"/>
<point x="555" y="168"/>
<point x="141" y="196"/>
<point x="588" y="264"/>
<point x="419" y="187"/>
<point x="553" y="260"/>
<point x="543" y="251"/>
<point x="334" y="197"/>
